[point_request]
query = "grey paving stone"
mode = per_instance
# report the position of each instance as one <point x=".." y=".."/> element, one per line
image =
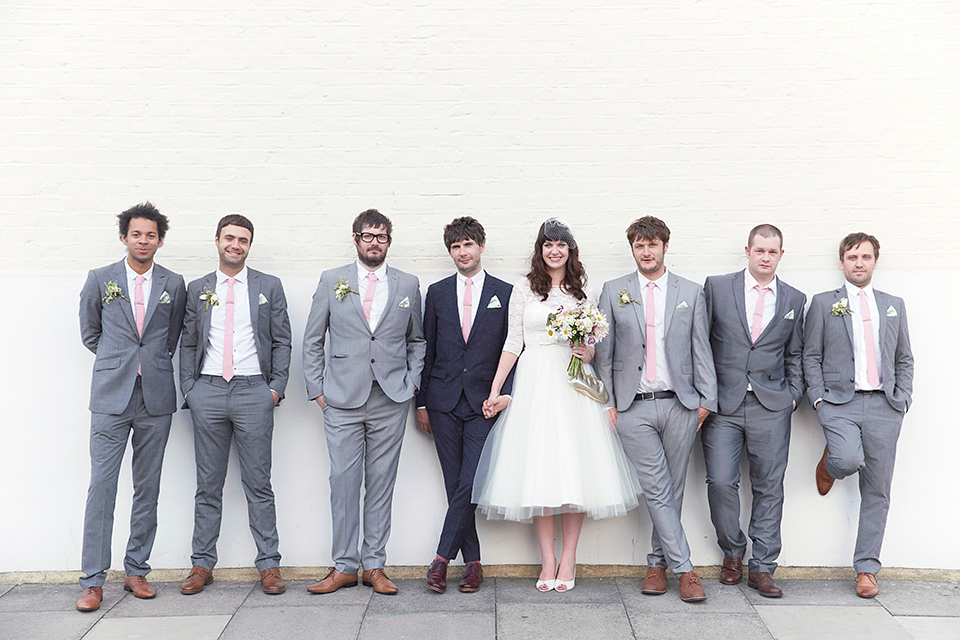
<point x="4" y="588"/>
<point x="720" y="599"/>
<point x="44" y="625"/>
<point x="164" y="628"/>
<point x="824" y="593"/>
<point x="441" y="625"/>
<point x="297" y="595"/>
<point x="330" y="621"/>
<point x="587" y="590"/>
<point x="56" y="597"/>
<point x="562" y="620"/>
<point x="219" y="598"/>
<point x="702" y="626"/>
<point x="918" y="598"/>
<point x="931" y="628"/>
<point x="414" y="596"/>
<point x="819" y="623"/>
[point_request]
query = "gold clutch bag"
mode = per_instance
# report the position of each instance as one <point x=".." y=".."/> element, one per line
<point x="590" y="386"/>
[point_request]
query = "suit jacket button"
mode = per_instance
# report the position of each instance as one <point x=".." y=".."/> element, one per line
<point x="373" y="360"/>
<point x="464" y="370"/>
<point x="373" y="338"/>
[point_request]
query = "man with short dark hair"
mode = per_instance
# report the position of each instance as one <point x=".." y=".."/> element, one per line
<point x="234" y="366"/>
<point x="465" y="324"/>
<point x="376" y="347"/>
<point x="859" y="373"/>
<point x="131" y="314"/>
<point x="658" y="368"/>
<point x="756" y="331"/>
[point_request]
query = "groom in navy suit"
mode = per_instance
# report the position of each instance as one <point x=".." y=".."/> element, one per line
<point x="465" y="325"/>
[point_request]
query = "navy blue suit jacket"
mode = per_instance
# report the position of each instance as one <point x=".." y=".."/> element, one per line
<point x="452" y="366"/>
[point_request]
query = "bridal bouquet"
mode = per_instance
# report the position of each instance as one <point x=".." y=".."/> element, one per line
<point x="582" y="324"/>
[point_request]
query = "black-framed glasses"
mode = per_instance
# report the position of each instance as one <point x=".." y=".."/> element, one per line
<point x="381" y="238"/>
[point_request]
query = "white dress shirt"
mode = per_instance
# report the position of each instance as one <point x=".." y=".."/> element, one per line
<point x="131" y="287"/>
<point x="475" y="295"/>
<point x="380" y="294"/>
<point x="750" y="297"/>
<point x="861" y="383"/>
<point x="245" y="360"/>
<point x="662" y="381"/>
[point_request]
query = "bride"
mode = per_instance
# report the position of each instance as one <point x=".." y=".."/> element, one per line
<point x="552" y="451"/>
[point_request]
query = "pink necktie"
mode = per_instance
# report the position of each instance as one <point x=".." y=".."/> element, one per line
<point x="651" y="335"/>
<point x="467" y="309"/>
<point x="138" y="310"/>
<point x="368" y="300"/>
<point x="873" y="376"/>
<point x="228" y="332"/>
<point x="757" y="327"/>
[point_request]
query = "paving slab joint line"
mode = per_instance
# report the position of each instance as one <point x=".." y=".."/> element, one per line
<point x="249" y="574"/>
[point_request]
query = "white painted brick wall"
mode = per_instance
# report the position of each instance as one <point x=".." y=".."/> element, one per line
<point x="820" y="117"/>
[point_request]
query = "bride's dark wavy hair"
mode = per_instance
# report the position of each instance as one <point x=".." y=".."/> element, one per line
<point x="575" y="278"/>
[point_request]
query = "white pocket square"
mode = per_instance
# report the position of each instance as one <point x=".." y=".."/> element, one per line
<point x="682" y="305"/>
<point x="789" y="315"/>
<point x="494" y="303"/>
<point x="164" y="298"/>
<point x="404" y="303"/>
<point x="263" y="299"/>
<point x="891" y="312"/>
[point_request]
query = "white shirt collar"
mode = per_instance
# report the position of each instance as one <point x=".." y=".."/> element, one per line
<point x="477" y="279"/>
<point x="362" y="271"/>
<point x="131" y="274"/>
<point x="661" y="282"/>
<point x="240" y="277"/>
<point x="749" y="282"/>
<point x="853" y="291"/>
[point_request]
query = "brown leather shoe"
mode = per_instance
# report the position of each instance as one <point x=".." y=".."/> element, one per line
<point x="333" y="581"/>
<point x="437" y="576"/>
<point x="764" y="584"/>
<point x="271" y="581"/>
<point x="867" y="586"/>
<point x="90" y="599"/>
<point x="732" y="571"/>
<point x="824" y="479"/>
<point x="139" y="587"/>
<point x="655" y="582"/>
<point x="690" y="588"/>
<point x="199" y="578"/>
<point x="472" y="577"/>
<point x="377" y="579"/>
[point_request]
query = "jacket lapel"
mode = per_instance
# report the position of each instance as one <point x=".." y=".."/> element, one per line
<point x="156" y="290"/>
<point x="253" y="293"/>
<point x="883" y="303"/>
<point x="209" y="283"/>
<point x="847" y="320"/>
<point x="485" y="296"/>
<point x="673" y="294"/>
<point x="394" y="281"/>
<point x="633" y="288"/>
<point x="778" y="312"/>
<point x="355" y="299"/>
<point x="120" y="277"/>
<point x="739" y="299"/>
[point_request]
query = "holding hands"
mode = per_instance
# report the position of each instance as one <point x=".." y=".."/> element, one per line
<point x="494" y="405"/>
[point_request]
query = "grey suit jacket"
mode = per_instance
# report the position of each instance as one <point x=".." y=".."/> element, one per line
<point x="110" y="331"/>
<point x="771" y="365"/>
<point x="828" y="360"/>
<point x="271" y="328"/>
<point x="620" y="357"/>
<point x="392" y="354"/>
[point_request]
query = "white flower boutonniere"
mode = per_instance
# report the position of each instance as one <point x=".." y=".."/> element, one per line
<point x="682" y="305"/>
<point x="404" y="303"/>
<point x="112" y="291"/>
<point x="263" y="299"/>
<point x="624" y="297"/>
<point x="342" y="289"/>
<point x="790" y="315"/>
<point x="494" y="303"/>
<point x="891" y="312"/>
<point x="209" y="298"/>
<point x="164" y="298"/>
<point x="840" y="308"/>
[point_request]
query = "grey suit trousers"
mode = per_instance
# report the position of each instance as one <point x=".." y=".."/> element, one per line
<point x="222" y="411"/>
<point x="364" y="448"/>
<point x="862" y="438"/>
<point x="766" y="436"/>
<point x="108" y="441"/>
<point x="658" y="436"/>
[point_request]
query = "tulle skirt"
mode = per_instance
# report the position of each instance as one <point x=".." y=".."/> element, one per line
<point x="552" y="450"/>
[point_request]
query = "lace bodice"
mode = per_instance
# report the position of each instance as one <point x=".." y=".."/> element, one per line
<point x="528" y="316"/>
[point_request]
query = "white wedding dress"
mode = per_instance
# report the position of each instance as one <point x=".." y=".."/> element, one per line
<point x="552" y="450"/>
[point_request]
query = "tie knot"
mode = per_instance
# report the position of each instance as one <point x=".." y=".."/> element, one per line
<point x="762" y="290"/>
<point x="469" y="282"/>
<point x="140" y="279"/>
<point x="372" y="277"/>
<point x="651" y="285"/>
<point x="231" y="280"/>
<point x="862" y="294"/>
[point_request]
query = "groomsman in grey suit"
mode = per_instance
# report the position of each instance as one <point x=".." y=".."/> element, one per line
<point x="657" y="365"/>
<point x="465" y="322"/>
<point x="859" y="372"/>
<point x="756" y="330"/>
<point x="131" y="313"/>
<point x="366" y="316"/>
<point x="234" y="364"/>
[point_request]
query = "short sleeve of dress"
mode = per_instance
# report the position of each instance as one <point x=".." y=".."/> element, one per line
<point x="514" y="341"/>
